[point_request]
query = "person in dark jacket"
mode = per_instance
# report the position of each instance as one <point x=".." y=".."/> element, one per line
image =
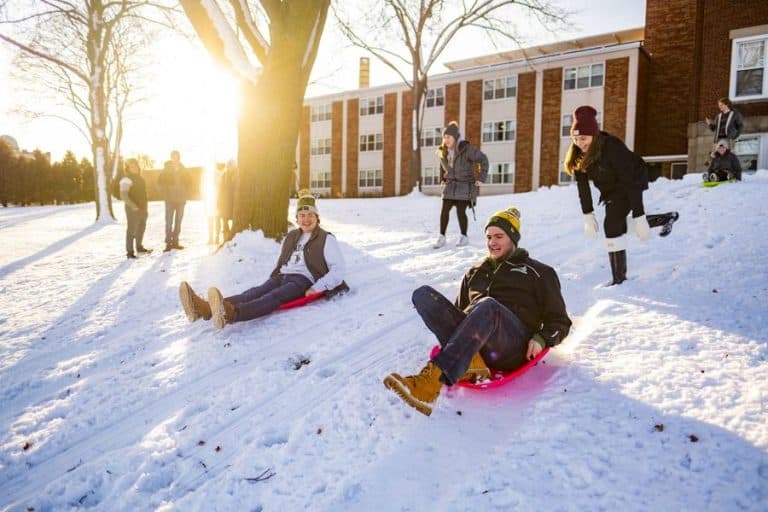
<point x="724" y="164"/>
<point x="225" y="199"/>
<point x="175" y="183"/>
<point x="463" y="168"/>
<point x="508" y="309"/>
<point x="310" y="261"/>
<point x="727" y="124"/>
<point x="621" y="177"/>
<point x="133" y="192"/>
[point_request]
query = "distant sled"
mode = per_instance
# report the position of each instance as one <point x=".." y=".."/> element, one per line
<point x="303" y="301"/>
<point x="498" y="377"/>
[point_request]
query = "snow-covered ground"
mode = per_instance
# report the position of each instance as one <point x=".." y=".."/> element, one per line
<point x="111" y="400"/>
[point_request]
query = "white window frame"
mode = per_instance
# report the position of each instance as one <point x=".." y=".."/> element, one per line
<point x="430" y="175"/>
<point x="372" y="106"/>
<point x="735" y="45"/>
<point x="500" y="88"/>
<point x="435" y="97"/>
<point x="506" y="173"/>
<point x="490" y="131"/>
<point x="371" y="142"/>
<point x="320" y="147"/>
<point x="431" y="137"/>
<point x="322" y="112"/>
<point x="580" y="73"/>
<point x="369" y="178"/>
<point x="319" y="179"/>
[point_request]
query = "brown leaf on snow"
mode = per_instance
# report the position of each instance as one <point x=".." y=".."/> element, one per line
<point x="659" y="427"/>
<point x="200" y="443"/>
<point x="694" y="438"/>
<point x="27" y="445"/>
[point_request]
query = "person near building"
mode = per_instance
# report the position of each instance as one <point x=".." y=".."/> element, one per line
<point x="727" y="124"/>
<point x="133" y="192"/>
<point x="310" y="262"/>
<point x="724" y="165"/>
<point x="509" y="308"/>
<point x="621" y="177"/>
<point x="463" y="168"/>
<point x="225" y="200"/>
<point x="175" y="184"/>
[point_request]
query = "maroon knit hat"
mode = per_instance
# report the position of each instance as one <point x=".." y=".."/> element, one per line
<point x="585" y="121"/>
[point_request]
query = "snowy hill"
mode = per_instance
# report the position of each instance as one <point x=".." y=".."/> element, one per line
<point x="111" y="400"/>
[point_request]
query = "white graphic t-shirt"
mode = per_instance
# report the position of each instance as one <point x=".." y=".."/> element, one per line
<point x="296" y="263"/>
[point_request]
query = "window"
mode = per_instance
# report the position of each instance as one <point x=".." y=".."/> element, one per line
<point x="435" y="97"/>
<point x="431" y="137"/>
<point x="371" y="142"/>
<point x="498" y="88"/>
<point x="498" y="131"/>
<point x="320" y="147"/>
<point x="430" y="175"/>
<point x="748" y="150"/>
<point x="583" y="77"/>
<point x="371" y="106"/>
<point x="319" y="179"/>
<point x="369" y="178"/>
<point x="748" y="68"/>
<point x="503" y="172"/>
<point x="322" y="112"/>
<point x="565" y="178"/>
<point x="565" y="130"/>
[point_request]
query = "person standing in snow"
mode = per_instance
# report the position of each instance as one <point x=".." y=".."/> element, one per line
<point x="133" y="192"/>
<point x="463" y="168"/>
<point x="310" y="261"/>
<point x="727" y="124"/>
<point x="508" y="309"/>
<point x="724" y="164"/>
<point x="621" y="177"/>
<point x="225" y="200"/>
<point x="175" y="184"/>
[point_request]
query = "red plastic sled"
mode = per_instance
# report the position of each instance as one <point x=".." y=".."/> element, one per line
<point x="498" y="377"/>
<point x="302" y="301"/>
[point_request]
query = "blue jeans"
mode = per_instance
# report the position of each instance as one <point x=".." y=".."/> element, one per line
<point x="136" y="224"/>
<point x="268" y="296"/>
<point x="174" y="212"/>
<point x="489" y="328"/>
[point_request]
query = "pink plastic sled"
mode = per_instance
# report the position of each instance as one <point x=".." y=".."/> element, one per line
<point x="498" y="377"/>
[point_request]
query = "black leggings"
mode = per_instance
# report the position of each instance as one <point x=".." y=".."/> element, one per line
<point x="616" y="211"/>
<point x="461" y="213"/>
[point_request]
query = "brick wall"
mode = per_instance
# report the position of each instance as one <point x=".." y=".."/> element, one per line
<point x="405" y="142"/>
<point x="615" y="97"/>
<point x="390" y="144"/>
<point x="670" y="37"/>
<point x="526" y="105"/>
<point x="551" y="119"/>
<point x="304" y="134"/>
<point x="353" y="145"/>
<point x="452" y="109"/>
<point x="337" y="134"/>
<point x="474" y="112"/>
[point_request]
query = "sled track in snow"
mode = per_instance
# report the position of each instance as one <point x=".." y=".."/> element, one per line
<point x="93" y="445"/>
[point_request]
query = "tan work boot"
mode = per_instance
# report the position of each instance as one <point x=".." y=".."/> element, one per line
<point x="223" y="311"/>
<point x="477" y="370"/>
<point x="419" y="391"/>
<point x="194" y="305"/>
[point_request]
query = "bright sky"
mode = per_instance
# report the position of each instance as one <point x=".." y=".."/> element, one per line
<point x="193" y="103"/>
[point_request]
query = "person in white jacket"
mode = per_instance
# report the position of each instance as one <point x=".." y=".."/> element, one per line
<point x="310" y="262"/>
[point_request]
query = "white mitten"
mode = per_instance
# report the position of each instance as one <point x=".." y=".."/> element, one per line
<point x="590" y="225"/>
<point x="642" y="228"/>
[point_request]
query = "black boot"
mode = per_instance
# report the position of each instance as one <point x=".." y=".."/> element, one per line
<point x="618" y="267"/>
<point x="665" y="220"/>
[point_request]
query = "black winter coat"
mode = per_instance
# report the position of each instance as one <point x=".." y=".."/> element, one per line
<point x="617" y="173"/>
<point x="527" y="287"/>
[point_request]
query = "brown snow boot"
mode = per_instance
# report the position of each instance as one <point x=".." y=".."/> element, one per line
<point x="477" y="370"/>
<point x="223" y="311"/>
<point x="419" y="391"/>
<point x="194" y="305"/>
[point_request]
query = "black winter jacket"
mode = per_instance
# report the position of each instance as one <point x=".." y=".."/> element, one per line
<point x="527" y="287"/>
<point x="618" y="172"/>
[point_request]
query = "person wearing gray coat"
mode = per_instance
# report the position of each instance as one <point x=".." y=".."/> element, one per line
<point x="463" y="168"/>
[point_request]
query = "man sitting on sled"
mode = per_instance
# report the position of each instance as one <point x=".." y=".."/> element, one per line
<point x="310" y="262"/>
<point x="508" y="309"/>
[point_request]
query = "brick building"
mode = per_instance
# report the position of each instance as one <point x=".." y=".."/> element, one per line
<point x="652" y="86"/>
